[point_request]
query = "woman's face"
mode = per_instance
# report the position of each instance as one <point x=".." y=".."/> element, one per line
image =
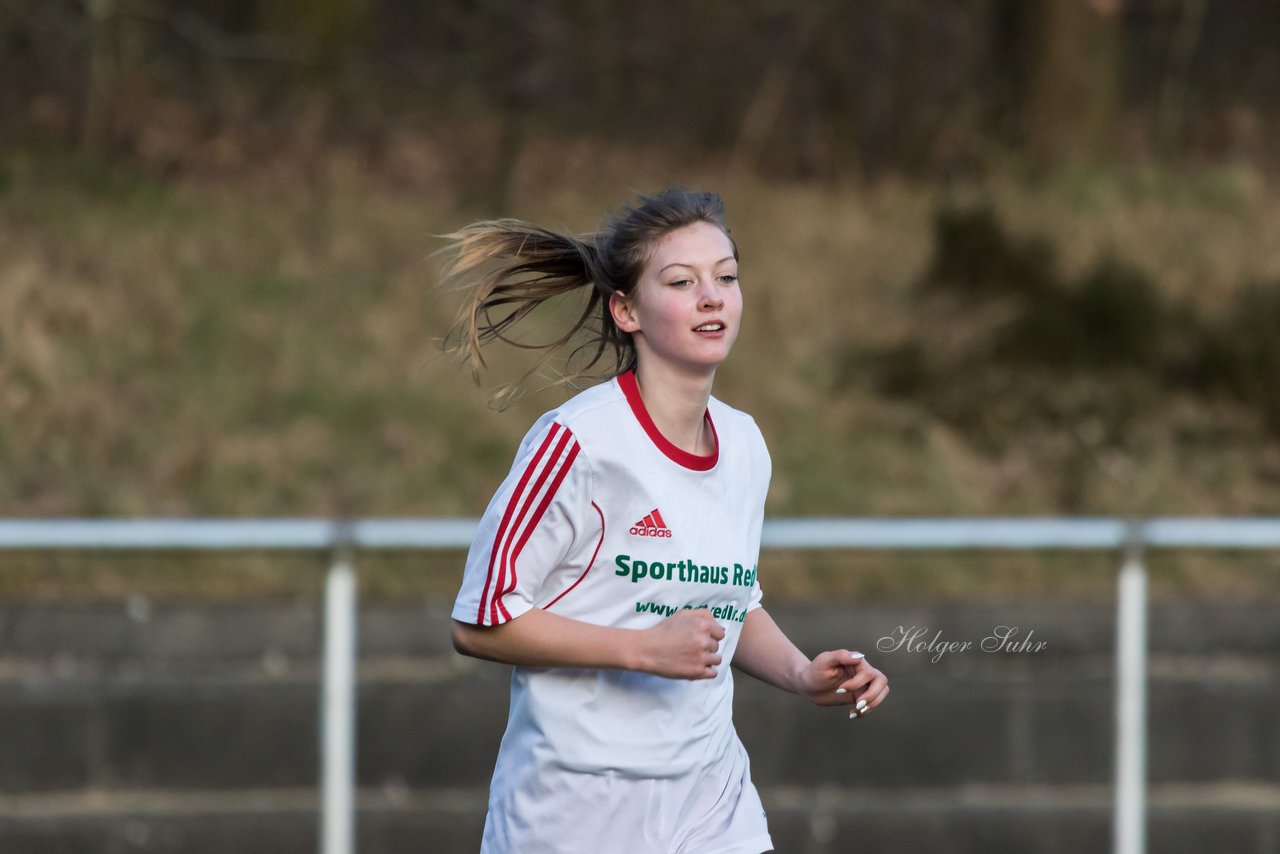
<point x="686" y="307"/>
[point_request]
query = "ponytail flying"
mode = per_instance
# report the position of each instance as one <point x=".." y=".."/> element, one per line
<point x="510" y="267"/>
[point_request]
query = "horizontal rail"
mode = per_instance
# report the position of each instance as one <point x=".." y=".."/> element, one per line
<point x="339" y="536"/>
<point x="834" y="533"/>
<point x="1212" y="533"/>
<point x="944" y="533"/>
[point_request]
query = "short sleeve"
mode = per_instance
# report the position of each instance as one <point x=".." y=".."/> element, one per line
<point x="534" y="522"/>
<point x="762" y="469"/>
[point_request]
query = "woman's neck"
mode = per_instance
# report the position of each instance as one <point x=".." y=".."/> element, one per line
<point x="677" y="403"/>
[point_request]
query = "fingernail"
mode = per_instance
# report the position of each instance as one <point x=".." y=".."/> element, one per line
<point x="853" y="714"/>
<point x="862" y="704"/>
<point x="856" y="655"/>
<point x="841" y="691"/>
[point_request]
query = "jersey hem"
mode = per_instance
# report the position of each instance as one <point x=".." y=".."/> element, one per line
<point x="514" y="608"/>
<point x="747" y="846"/>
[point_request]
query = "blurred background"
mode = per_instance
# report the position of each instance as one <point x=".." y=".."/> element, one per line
<point x="1000" y="257"/>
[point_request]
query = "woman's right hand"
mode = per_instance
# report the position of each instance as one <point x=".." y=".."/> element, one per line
<point x="685" y="645"/>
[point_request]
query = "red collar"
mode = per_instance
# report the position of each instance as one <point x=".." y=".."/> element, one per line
<point x="627" y="382"/>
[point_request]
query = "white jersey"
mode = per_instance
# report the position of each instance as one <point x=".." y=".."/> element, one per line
<point x="603" y="520"/>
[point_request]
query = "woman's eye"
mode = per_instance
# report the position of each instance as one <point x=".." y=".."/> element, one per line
<point x="681" y="283"/>
<point x="729" y="279"/>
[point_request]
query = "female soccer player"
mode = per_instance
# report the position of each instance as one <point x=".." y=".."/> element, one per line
<point x="616" y="567"/>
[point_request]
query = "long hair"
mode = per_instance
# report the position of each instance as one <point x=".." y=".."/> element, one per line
<point x="511" y="267"/>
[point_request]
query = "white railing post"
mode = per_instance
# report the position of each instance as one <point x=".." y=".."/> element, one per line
<point x="338" y="706"/>
<point x="1130" y="819"/>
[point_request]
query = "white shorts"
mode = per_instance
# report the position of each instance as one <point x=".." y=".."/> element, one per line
<point x="714" y="810"/>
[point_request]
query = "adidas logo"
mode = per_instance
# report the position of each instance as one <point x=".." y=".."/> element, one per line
<point x="651" y="526"/>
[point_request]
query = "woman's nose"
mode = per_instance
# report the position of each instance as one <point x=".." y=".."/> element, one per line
<point x="709" y="295"/>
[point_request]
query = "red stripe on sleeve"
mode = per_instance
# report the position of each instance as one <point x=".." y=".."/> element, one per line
<point x="497" y="612"/>
<point x="506" y="516"/>
<point x="537" y="517"/>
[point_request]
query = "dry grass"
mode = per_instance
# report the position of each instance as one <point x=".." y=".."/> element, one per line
<point x="787" y="576"/>
<point x="267" y="345"/>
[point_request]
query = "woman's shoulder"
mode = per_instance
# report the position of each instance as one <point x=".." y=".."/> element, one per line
<point x="585" y="412"/>
<point x="723" y="413"/>
<point x="590" y="404"/>
<point x="734" y="426"/>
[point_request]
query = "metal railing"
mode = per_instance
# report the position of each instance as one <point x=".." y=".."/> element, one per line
<point x="342" y="538"/>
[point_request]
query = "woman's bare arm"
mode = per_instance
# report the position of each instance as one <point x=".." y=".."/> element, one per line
<point x="683" y="646"/>
<point x="835" y="678"/>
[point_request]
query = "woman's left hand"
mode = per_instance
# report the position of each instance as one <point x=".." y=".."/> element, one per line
<point x="844" y="678"/>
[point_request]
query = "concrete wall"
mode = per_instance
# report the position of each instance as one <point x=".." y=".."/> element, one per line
<point x="194" y="729"/>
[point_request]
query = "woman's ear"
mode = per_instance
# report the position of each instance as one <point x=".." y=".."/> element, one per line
<point x="623" y="311"/>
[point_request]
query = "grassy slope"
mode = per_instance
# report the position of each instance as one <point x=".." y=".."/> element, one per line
<point x="266" y="346"/>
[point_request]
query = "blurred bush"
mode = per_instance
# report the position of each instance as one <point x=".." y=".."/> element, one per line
<point x="1240" y="354"/>
<point x="1113" y="329"/>
<point x="974" y="256"/>
<point x="841" y="88"/>
<point x="1114" y="318"/>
